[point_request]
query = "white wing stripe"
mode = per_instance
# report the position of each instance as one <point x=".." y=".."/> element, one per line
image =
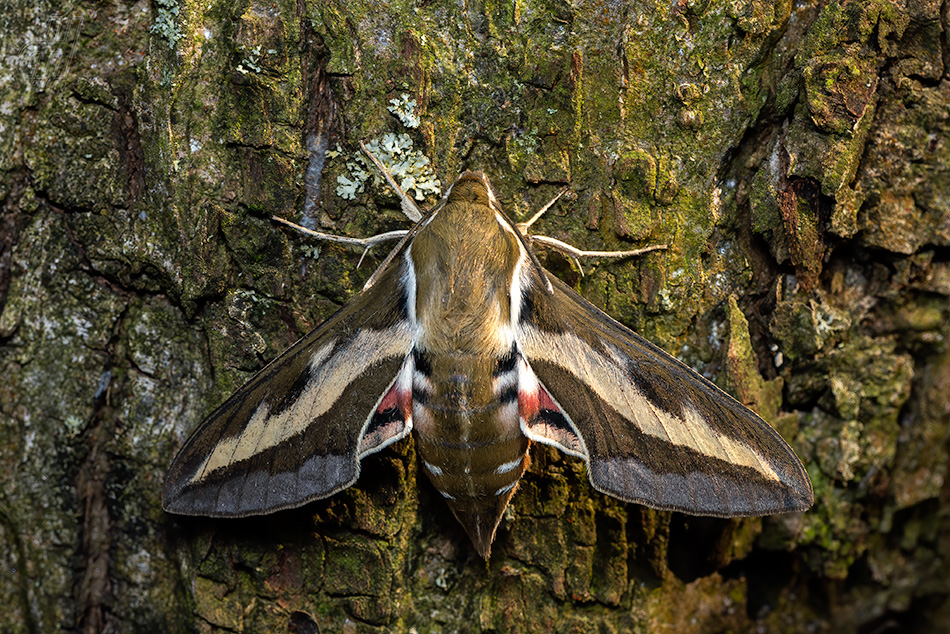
<point x="330" y="377"/>
<point x="572" y="353"/>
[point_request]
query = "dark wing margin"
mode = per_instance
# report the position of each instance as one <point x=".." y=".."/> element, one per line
<point x="651" y="429"/>
<point x="297" y="430"/>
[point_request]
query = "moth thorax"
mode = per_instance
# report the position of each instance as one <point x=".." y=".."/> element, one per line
<point x="464" y="261"/>
<point x="477" y="330"/>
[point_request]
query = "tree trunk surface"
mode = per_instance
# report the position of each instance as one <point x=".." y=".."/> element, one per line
<point x="794" y="157"/>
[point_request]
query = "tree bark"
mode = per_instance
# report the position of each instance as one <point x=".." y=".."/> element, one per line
<point x="794" y="157"/>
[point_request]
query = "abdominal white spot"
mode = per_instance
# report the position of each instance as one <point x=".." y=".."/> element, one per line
<point x="420" y="380"/>
<point x="505" y="381"/>
<point x="433" y="469"/>
<point x="505" y="489"/>
<point x="508" y="466"/>
<point x="447" y="496"/>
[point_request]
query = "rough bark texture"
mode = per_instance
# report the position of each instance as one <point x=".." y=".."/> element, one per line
<point x="795" y="157"/>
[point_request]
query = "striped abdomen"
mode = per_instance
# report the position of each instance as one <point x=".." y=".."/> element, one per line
<point x="465" y="413"/>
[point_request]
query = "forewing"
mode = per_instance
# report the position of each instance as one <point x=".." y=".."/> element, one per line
<point x="296" y="431"/>
<point x="651" y="429"/>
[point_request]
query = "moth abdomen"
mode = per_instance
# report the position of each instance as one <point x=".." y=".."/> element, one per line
<point x="507" y="364"/>
<point x="476" y="479"/>
<point x="468" y="436"/>
<point x="465" y="470"/>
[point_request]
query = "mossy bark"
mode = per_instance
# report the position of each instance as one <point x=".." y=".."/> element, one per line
<point x="795" y="157"/>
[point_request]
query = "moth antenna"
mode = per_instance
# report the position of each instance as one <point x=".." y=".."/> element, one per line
<point x="523" y="226"/>
<point x="408" y="205"/>
<point x="574" y="252"/>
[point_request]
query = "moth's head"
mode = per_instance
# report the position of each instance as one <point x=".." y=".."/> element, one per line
<point x="473" y="188"/>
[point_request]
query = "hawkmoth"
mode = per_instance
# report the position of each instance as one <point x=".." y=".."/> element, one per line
<point x="463" y="339"/>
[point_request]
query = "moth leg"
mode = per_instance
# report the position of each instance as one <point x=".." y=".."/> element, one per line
<point x="360" y="242"/>
<point x="366" y="243"/>
<point x="409" y="206"/>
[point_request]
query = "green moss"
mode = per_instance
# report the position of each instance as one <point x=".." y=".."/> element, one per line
<point x="879" y="376"/>
<point x="763" y="205"/>
<point x="707" y="604"/>
<point x="805" y="326"/>
<point x="636" y="174"/>
<point x="347" y="565"/>
<point x="74" y="159"/>
<point x="742" y="376"/>
<point x="837" y="528"/>
<point x="216" y="605"/>
<point x="609" y="574"/>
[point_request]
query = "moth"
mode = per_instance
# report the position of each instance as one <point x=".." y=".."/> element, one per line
<point x="462" y="338"/>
